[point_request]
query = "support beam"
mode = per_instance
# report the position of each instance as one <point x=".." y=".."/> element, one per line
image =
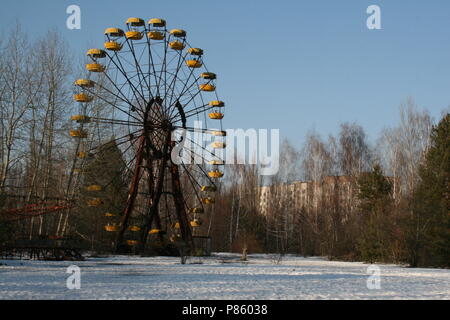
<point x="131" y="194"/>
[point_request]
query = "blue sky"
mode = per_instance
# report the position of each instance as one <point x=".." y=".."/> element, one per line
<point x="292" y="65"/>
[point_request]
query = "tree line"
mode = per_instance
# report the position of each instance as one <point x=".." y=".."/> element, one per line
<point x="388" y="201"/>
<point x="396" y="200"/>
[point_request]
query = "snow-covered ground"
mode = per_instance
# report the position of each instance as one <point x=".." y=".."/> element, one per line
<point x="221" y="276"/>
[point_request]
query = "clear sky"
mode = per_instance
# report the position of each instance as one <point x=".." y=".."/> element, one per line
<point x="293" y="65"/>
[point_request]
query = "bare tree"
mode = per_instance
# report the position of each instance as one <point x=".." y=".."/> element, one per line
<point x="403" y="147"/>
<point x="14" y="102"/>
<point x="354" y="153"/>
<point x="317" y="164"/>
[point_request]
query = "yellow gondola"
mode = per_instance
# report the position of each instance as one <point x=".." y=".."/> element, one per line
<point x="114" y="32"/>
<point x="216" y="103"/>
<point x="135" y="22"/>
<point x="219" y="133"/>
<point x="176" y="45"/>
<point x="81" y="155"/>
<point x="207" y="87"/>
<point x="195" y="223"/>
<point x="208" y="188"/>
<point x="113" y="46"/>
<point x="94" y="187"/>
<point x="109" y="214"/>
<point x="208" y="75"/>
<point x="85" y="83"/>
<point x="216" y="162"/>
<point x="208" y="200"/>
<point x="111" y="228"/>
<point x="96" y="53"/>
<point x="215" y="174"/>
<point x="155" y="35"/>
<point x="157" y="22"/>
<point x="132" y="242"/>
<point x="82" y="97"/>
<point x="196" y="210"/>
<point x="218" y="145"/>
<point x="179" y="33"/>
<point x="195" y="51"/>
<point x="135" y="228"/>
<point x="134" y="35"/>
<point x="94" y="202"/>
<point x="216" y="115"/>
<point x="78" y="133"/>
<point x="193" y="63"/>
<point x="80" y="118"/>
<point x="154" y="231"/>
<point x="95" y="67"/>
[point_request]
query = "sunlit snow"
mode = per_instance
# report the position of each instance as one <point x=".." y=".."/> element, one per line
<point x="221" y="276"/>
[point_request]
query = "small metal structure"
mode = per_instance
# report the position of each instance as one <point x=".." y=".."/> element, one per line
<point x="33" y="210"/>
<point x="203" y="245"/>
<point x="50" y="248"/>
<point x="45" y="249"/>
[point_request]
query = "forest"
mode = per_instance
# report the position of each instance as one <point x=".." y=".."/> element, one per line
<point x="396" y="209"/>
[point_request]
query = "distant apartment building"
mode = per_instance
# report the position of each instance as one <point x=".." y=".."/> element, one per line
<point x="298" y="195"/>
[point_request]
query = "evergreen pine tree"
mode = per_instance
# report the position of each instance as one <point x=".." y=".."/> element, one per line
<point x="428" y="233"/>
<point x="374" y="203"/>
<point x="107" y="170"/>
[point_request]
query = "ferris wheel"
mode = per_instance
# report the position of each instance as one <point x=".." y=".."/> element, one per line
<point x="158" y="95"/>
